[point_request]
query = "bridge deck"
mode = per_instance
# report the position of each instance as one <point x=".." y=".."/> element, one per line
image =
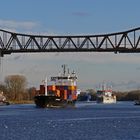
<point x="120" y="42"/>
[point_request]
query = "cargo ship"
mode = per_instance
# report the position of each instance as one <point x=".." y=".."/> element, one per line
<point x="61" y="92"/>
<point x="105" y="96"/>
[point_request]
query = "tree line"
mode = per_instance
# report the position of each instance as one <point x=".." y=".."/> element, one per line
<point x="15" y="88"/>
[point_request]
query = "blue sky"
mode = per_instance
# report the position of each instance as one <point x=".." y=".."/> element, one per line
<point x="63" y="17"/>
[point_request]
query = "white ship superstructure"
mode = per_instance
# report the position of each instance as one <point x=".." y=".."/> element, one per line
<point x="105" y="96"/>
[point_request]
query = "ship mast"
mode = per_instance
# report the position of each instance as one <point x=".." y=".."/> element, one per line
<point x="64" y="69"/>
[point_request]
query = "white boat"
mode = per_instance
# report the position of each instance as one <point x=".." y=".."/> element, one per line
<point x="105" y="96"/>
<point x="3" y="99"/>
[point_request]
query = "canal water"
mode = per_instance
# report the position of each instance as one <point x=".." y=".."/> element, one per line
<point x="87" y="121"/>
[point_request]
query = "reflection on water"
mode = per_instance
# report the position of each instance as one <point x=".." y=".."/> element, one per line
<point x="88" y="121"/>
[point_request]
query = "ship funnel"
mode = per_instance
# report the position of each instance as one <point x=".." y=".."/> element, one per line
<point x="46" y="91"/>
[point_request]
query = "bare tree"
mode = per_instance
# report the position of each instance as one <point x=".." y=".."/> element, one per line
<point x="31" y="92"/>
<point x="16" y="85"/>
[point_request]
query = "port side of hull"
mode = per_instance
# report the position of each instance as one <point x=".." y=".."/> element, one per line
<point x="43" y="101"/>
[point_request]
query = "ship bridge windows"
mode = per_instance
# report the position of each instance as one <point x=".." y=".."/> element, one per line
<point x="63" y="78"/>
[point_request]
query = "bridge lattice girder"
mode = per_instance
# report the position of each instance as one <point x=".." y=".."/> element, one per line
<point x="122" y="42"/>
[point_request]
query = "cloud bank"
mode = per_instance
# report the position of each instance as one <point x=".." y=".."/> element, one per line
<point x="18" y="25"/>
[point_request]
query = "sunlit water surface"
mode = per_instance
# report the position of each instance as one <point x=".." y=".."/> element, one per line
<point x="87" y="121"/>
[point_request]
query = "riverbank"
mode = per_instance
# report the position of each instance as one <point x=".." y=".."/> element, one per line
<point x="22" y="102"/>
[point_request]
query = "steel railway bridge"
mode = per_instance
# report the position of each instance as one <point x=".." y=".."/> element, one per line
<point x="119" y="42"/>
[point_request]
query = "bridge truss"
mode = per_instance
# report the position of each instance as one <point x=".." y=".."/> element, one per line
<point x="120" y="42"/>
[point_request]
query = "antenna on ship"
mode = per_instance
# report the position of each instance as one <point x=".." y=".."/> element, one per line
<point x="103" y="86"/>
<point x="68" y="71"/>
<point x="64" y="68"/>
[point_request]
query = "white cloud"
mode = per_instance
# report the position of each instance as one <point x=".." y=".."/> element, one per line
<point x="85" y="57"/>
<point x="97" y="59"/>
<point x="16" y="25"/>
<point x="26" y="27"/>
<point x="92" y="68"/>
